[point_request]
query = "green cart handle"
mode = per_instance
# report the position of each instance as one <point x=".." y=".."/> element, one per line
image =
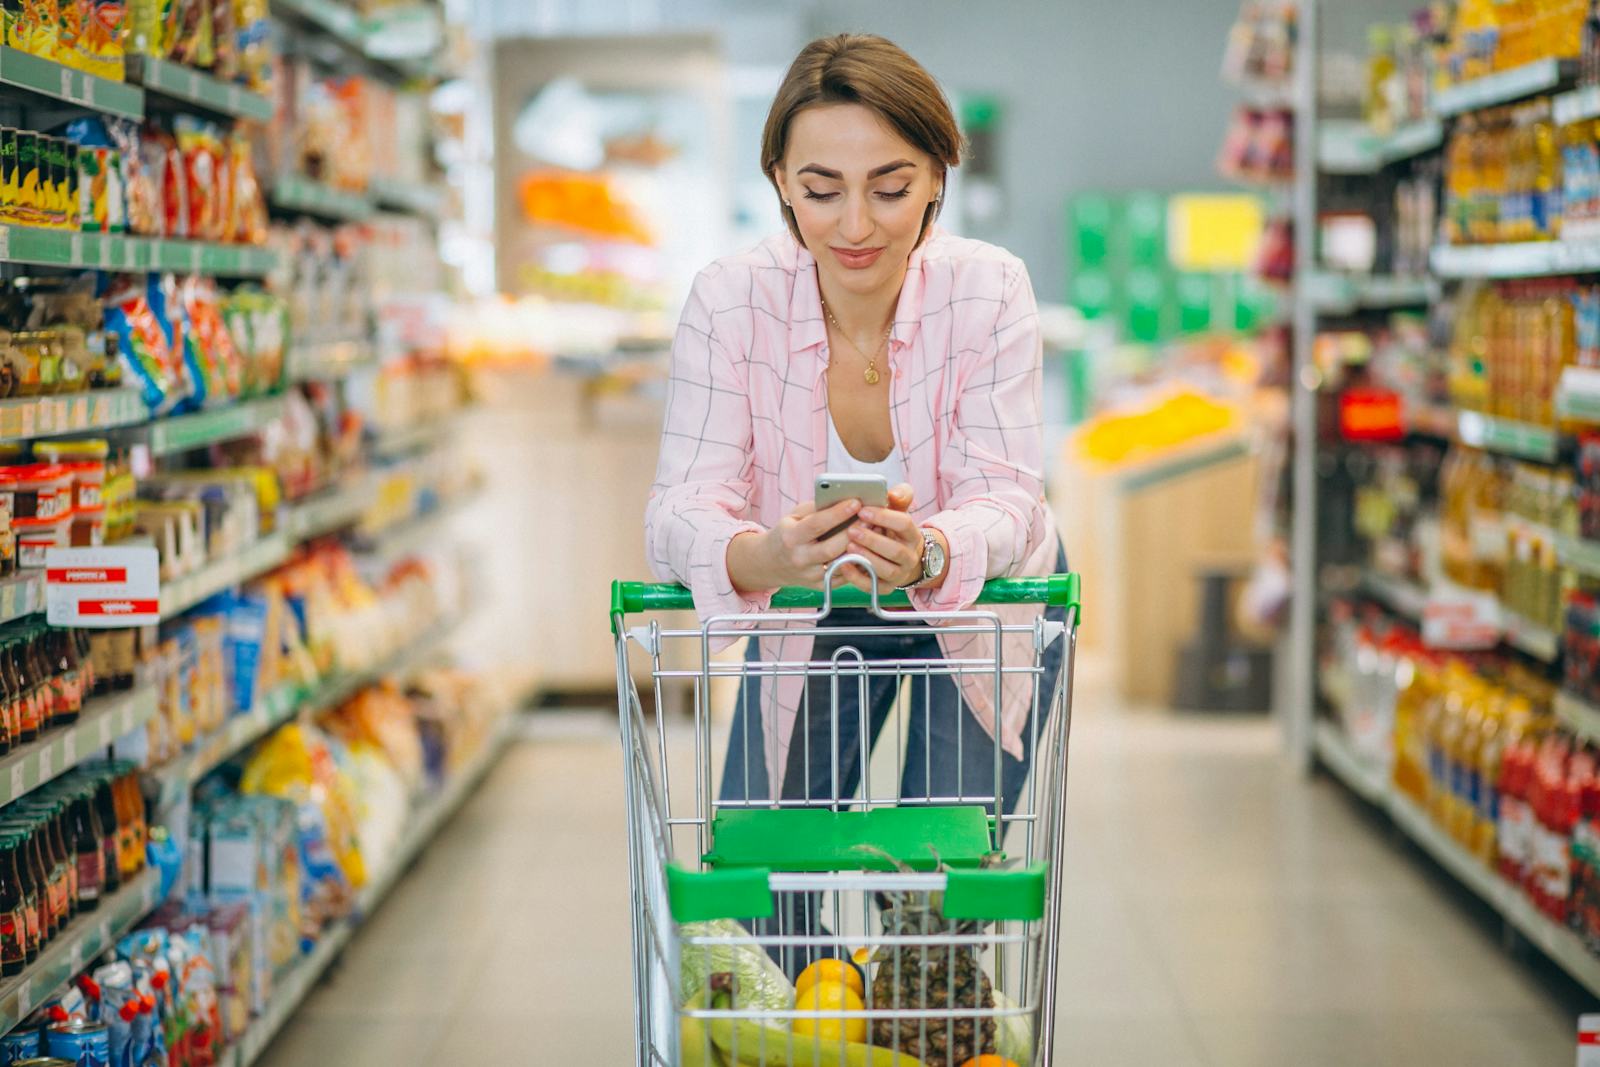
<point x="1054" y="590"/>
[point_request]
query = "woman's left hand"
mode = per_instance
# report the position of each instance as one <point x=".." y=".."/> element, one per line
<point x="891" y="541"/>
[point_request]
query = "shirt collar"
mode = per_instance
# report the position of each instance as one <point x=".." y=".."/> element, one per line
<point x="806" y="326"/>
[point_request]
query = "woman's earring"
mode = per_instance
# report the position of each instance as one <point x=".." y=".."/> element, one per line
<point x="788" y="205"/>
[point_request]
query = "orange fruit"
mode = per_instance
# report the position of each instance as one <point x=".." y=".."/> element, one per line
<point x="830" y="970"/>
<point x="834" y="998"/>
<point x="989" y="1059"/>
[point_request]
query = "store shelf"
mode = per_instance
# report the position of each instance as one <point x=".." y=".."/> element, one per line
<point x="318" y="361"/>
<point x="1527" y="259"/>
<point x="1559" y="944"/>
<point x="1338" y="294"/>
<point x="86" y="937"/>
<point x="1369" y="782"/>
<point x="19" y="70"/>
<point x="1578" y="554"/>
<point x="1402" y="597"/>
<point x="302" y="196"/>
<point x="21" y="595"/>
<point x="338" y="20"/>
<point x="332" y="510"/>
<point x="416" y="533"/>
<point x="412" y="197"/>
<point x="1351" y="147"/>
<point x="115" y="251"/>
<point x="30" y="417"/>
<point x="1578" y="395"/>
<point x="419" y="437"/>
<point x="103" y="720"/>
<point x="1576" y="106"/>
<point x="181" y="594"/>
<point x="424" y="825"/>
<point x="1580" y="716"/>
<point x="1508" y="437"/>
<point x="197" y="89"/>
<point x="1529" y="637"/>
<point x="1502" y="87"/>
<point x="167" y="437"/>
<point x="283" y="704"/>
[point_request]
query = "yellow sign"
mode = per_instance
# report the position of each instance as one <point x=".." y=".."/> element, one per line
<point x="1213" y="232"/>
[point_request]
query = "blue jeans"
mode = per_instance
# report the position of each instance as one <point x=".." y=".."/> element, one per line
<point x="948" y="752"/>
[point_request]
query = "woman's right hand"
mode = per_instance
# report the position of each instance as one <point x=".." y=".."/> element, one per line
<point x="791" y="554"/>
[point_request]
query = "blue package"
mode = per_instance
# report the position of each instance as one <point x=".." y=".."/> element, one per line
<point x="242" y="643"/>
<point x="174" y="319"/>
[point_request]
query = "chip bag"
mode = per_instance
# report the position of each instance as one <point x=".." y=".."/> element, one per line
<point x="145" y="345"/>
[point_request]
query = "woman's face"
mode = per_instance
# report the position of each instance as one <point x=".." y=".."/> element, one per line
<point x="859" y="193"/>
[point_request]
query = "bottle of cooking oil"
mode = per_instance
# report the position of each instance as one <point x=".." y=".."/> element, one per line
<point x="1418" y="680"/>
<point x="1375" y="104"/>
<point x="1443" y="744"/>
<point x="1491" y="750"/>
<point x="1546" y="173"/>
<point x="1466" y="776"/>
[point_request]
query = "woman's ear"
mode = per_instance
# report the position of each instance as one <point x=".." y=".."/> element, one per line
<point x="782" y="183"/>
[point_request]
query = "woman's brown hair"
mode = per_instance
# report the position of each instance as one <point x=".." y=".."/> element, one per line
<point x="862" y="68"/>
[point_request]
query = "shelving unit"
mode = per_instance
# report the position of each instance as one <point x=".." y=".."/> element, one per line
<point x="47" y="78"/>
<point x="184" y="593"/>
<point x="167" y="437"/>
<point x="102" y="721"/>
<point x="112" y="251"/>
<point x="334" y="509"/>
<point x="316" y="361"/>
<point x="302" y="196"/>
<point x="195" y="89"/>
<point x="1344" y="149"/>
<point x="30" y="417"/>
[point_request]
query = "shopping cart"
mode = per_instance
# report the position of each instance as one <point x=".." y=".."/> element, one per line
<point x="939" y="914"/>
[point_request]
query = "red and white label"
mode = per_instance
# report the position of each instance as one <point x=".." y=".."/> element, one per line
<point x="1589" y="1041"/>
<point x="103" y="587"/>
<point x="80" y="575"/>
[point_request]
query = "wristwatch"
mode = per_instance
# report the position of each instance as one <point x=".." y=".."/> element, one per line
<point x="934" y="560"/>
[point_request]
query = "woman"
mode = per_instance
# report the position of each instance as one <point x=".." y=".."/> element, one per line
<point x="864" y="339"/>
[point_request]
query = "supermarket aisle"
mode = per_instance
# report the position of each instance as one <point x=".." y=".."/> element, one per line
<point x="1219" y="912"/>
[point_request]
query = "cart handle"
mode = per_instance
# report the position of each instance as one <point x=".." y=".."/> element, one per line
<point x="1054" y="590"/>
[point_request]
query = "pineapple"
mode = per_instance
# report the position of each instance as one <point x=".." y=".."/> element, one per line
<point x="919" y="978"/>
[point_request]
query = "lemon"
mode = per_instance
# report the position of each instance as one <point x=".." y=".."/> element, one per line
<point x="830" y="970"/>
<point x="834" y="998"/>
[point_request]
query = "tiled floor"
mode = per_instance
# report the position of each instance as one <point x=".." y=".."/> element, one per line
<point x="1219" y="911"/>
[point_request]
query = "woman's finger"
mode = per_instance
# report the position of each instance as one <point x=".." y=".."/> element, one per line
<point x="890" y="548"/>
<point x="887" y="570"/>
<point x="825" y="552"/>
<point x="896" y="522"/>
<point x="901" y="497"/>
<point x="818" y="523"/>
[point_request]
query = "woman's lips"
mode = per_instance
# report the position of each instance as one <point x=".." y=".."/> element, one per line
<point x="856" y="258"/>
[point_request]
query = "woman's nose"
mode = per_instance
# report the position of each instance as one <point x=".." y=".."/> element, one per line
<point x="856" y="226"/>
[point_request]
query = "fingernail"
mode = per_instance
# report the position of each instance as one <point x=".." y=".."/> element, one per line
<point x="868" y="513"/>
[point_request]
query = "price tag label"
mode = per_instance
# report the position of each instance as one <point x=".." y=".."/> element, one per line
<point x="19" y="784"/>
<point x="130" y="254"/>
<point x="25" y="998"/>
<point x="75" y="957"/>
<point x="69" y="749"/>
<point x="105" y="933"/>
<point x="194" y="84"/>
<point x="88" y="90"/>
<point x="194" y="258"/>
<point x="30" y="419"/>
<point x="5" y="242"/>
<point x="233" y="98"/>
<point x="102" y="588"/>
<point x="66" y="83"/>
<point x="105" y="253"/>
<point x="80" y="413"/>
<point x="46" y="769"/>
<point x="75" y="249"/>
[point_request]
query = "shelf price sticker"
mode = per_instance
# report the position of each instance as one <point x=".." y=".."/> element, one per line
<point x="1461" y="620"/>
<point x="102" y="588"/>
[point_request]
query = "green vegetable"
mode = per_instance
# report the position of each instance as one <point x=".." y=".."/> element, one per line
<point x="761" y="983"/>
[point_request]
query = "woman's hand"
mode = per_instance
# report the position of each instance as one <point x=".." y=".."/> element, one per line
<point x="891" y="541"/>
<point x="791" y="553"/>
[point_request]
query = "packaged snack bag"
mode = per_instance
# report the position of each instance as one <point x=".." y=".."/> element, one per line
<point x="169" y="311"/>
<point x="200" y="149"/>
<point x="253" y="37"/>
<point x="224" y="41"/>
<point x="141" y="207"/>
<point x="191" y="41"/>
<point x="145" y="344"/>
<point x="224" y="365"/>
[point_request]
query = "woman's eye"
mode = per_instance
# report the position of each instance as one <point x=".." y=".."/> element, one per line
<point x="901" y="195"/>
<point x="822" y="197"/>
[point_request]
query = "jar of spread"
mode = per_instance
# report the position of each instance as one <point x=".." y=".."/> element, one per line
<point x="36" y="537"/>
<point x="36" y="490"/>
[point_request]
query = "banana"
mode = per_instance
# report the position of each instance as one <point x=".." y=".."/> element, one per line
<point x="694" y="1044"/>
<point x="753" y="1044"/>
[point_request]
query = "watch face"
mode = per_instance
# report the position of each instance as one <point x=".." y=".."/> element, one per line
<point x="936" y="560"/>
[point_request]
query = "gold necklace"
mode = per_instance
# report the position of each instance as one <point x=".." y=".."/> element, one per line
<point x="870" y="375"/>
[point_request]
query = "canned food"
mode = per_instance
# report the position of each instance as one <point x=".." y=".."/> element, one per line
<point x="27" y="202"/>
<point x="8" y="174"/>
<point x="18" y="1045"/>
<point x="83" y="1043"/>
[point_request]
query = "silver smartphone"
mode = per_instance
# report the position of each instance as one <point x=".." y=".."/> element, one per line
<point x="871" y="489"/>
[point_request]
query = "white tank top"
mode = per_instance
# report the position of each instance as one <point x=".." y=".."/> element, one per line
<point x="840" y="461"/>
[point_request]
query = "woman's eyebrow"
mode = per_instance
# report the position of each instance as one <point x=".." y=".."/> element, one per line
<point x="875" y="172"/>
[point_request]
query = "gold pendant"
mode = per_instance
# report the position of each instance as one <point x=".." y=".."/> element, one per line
<point x="871" y="373"/>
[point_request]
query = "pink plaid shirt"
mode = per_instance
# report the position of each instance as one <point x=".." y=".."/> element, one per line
<point x="746" y="434"/>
